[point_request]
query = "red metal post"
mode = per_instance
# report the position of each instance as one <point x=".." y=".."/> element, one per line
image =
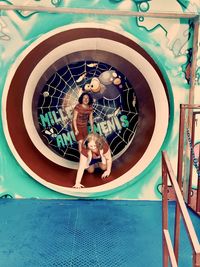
<point x="198" y="187"/>
<point x="179" y="178"/>
<point x="164" y="211"/>
<point x="191" y="160"/>
<point x="196" y="259"/>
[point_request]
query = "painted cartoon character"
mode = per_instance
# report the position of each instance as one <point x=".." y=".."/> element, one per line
<point x="107" y="85"/>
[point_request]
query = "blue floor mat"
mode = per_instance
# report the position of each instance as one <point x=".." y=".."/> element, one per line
<point x="89" y="233"/>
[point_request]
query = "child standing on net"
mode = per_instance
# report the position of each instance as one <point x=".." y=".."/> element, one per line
<point x="83" y="113"/>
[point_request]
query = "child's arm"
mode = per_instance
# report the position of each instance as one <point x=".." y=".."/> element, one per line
<point x="108" y="158"/>
<point x="91" y="120"/>
<point x="74" y="120"/>
<point x="81" y="168"/>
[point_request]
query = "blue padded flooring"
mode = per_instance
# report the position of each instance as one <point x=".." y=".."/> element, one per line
<point x="96" y="233"/>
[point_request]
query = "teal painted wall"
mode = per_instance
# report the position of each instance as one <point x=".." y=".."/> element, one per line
<point x="169" y="43"/>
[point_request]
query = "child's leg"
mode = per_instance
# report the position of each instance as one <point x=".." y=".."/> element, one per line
<point x="91" y="168"/>
<point x="81" y="137"/>
<point x="80" y="142"/>
<point x="102" y="166"/>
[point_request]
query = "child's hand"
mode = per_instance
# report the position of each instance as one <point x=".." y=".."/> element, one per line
<point x="76" y="132"/>
<point x="105" y="174"/>
<point x="78" y="186"/>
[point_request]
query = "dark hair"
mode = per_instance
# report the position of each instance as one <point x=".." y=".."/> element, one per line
<point x="80" y="100"/>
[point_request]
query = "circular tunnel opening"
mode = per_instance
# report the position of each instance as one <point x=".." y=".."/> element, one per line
<point x="131" y="107"/>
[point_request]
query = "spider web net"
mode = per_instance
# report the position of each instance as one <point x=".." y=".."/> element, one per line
<point x="115" y="109"/>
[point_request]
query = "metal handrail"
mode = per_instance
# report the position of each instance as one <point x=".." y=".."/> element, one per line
<point x="197" y="208"/>
<point x="97" y="11"/>
<point x="168" y="252"/>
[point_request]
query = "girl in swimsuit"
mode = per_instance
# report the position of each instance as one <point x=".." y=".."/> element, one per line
<point x="83" y="112"/>
<point x="95" y="153"/>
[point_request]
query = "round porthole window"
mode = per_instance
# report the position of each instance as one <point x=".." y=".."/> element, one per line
<point x="130" y="109"/>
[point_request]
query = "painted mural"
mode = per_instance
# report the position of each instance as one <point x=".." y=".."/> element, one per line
<point x="136" y="69"/>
